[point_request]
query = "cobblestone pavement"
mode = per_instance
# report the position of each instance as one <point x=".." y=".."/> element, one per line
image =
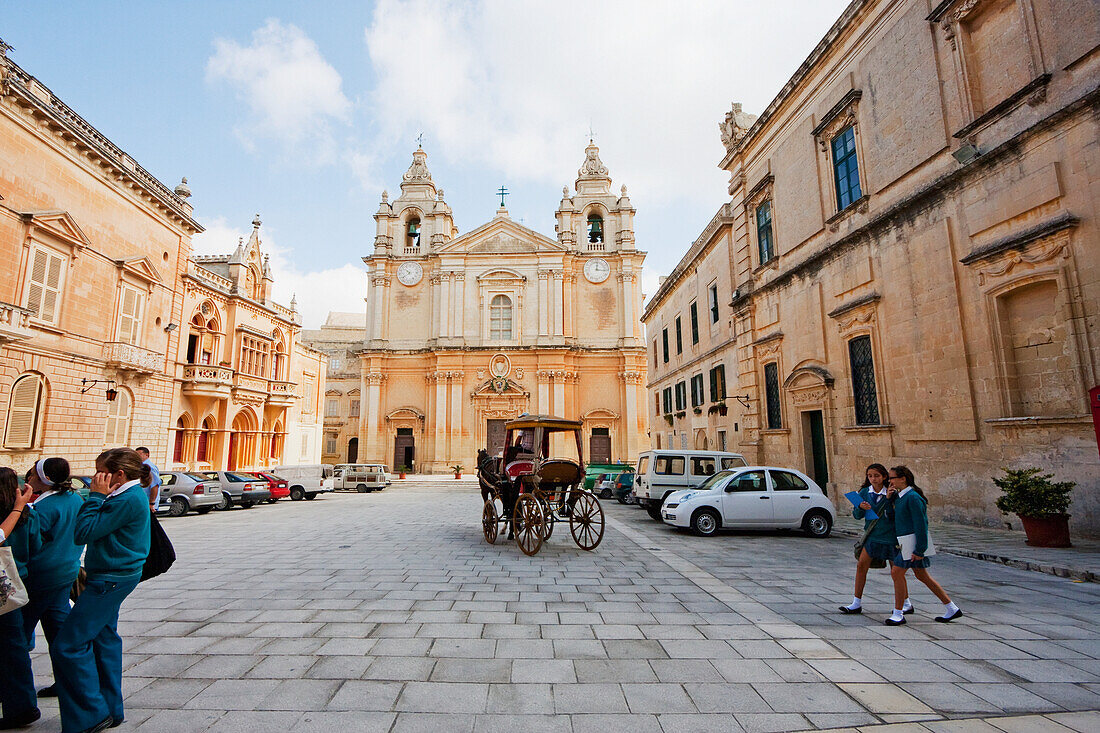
<point x="389" y="612"/>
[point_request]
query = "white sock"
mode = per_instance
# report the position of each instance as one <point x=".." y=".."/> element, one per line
<point x="857" y="602"/>
<point x="897" y="615"/>
<point x="949" y="608"/>
<point x="907" y="606"/>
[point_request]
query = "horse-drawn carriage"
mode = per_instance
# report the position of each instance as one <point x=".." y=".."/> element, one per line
<point x="537" y="483"/>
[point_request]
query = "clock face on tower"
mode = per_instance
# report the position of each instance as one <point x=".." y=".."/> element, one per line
<point x="597" y="270"/>
<point x="409" y="273"/>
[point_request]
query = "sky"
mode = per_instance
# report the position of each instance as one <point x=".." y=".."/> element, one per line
<point x="303" y="112"/>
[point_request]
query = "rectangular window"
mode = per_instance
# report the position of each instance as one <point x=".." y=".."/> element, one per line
<point x="765" y="240"/>
<point x="44" y="286"/>
<point x="664" y="342"/>
<point x="845" y="168"/>
<point x="694" y="310"/>
<point x="656" y="403"/>
<point x="254" y="356"/>
<point x="334" y="363"/>
<point x="721" y="440"/>
<point x="332" y="408"/>
<point x="330" y="444"/>
<point x="702" y="466"/>
<point x="718" y="383"/>
<point x="131" y="308"/>
<point x="698" y="397"/>
<point x="863" y="380"/>
<point x="771" y="394"/>
<point x="305" y="446"/>
<point x="654" y="353"/>
<point x="679" y="336"/>
<point x="667" y="395"/>
<point x="308" y="399"/>
<point x="669" y="466"/>
<point x="354" y="412"/>
<point x="681" y="396"/>
<point x="712" y="295"/>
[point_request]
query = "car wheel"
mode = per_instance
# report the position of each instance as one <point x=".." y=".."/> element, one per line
<point x="297" y="493"/>
<point x="204" y="509"/>
<point x="621" y="499"/>
<point x="654" y="510"/>
<point x="605" y="494"/>
<point x="817" y="524"/>
<point x="225" y="503"/>
<point x="311" y="497"/>
<point x="247" y="504"/>
<point x="362" y="488"/>
<point x="178" y="507"/>
<point x="272" y="501"/>
<point x="705" y="522"/>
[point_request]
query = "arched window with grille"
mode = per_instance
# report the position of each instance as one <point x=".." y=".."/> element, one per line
<point x="26" y="408"/>
<point x="500" y="318"/>
<point x="177" y="450"/>
<point x="117" y="431"/>
<point x="412" y="234"/>
<point x="595" y="231"/>
<point x="205" y="436"/>
<point x="864" y="390"/>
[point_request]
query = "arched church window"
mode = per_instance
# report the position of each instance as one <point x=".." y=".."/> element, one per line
<point x="412" y="234"/>
<point x="500" y="318"/>
<point x="595" y="229"/>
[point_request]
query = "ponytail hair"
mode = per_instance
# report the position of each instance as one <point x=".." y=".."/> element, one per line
<point x="146" y="475"/>
<point x="54" y="472"/>
<point x="9" y="485"/>
<point x="910" y="481"/>
<point x="121" y="459"/>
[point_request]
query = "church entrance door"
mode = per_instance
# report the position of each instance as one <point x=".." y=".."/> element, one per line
<point x="353" y="450"/>
<point x="404" y="449"/>
<point x="599" y="446"/>
<point x="494" y="432"/>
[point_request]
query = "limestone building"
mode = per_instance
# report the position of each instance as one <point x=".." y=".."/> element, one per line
<point x="92" y="247"/>
<point x="249" y="389"/>
<point x="340" y="338"/>
<point x="466" y="331"/>
<point x="913" y="255"/>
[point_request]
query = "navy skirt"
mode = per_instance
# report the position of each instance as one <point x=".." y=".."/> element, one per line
<point x="881" y="550"/>
<point x="924" y="562"/>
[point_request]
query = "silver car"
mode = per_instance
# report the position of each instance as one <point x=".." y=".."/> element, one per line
<point x="181" y="492"/>
<point x="236" y="488"/>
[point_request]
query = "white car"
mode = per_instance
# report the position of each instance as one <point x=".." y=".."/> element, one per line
<point x="753" y="497"/>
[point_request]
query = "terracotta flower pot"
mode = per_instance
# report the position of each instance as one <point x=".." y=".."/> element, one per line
<point x="401" y="475"/>
<point x="458" y="475"/>
<point x="1050" y="531"/>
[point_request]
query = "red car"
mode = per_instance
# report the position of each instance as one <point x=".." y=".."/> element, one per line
<point x="278" y="486"/>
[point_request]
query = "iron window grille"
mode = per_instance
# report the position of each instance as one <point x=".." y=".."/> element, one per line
<point x="771" y="394"/>
<point x="863" y="380"/>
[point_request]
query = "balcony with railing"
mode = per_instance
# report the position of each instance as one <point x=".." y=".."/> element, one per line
<point x="129" y="358"/>
<point x="15" y="323"/>
<point x="202" y="380"/>
<point x="281" y="394"/>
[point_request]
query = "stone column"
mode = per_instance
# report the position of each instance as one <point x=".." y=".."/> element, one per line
<point x="556" y="310"/>
<point x="459" y="306"/>
<point x="544" y="392"/>
<point x="627" y="442"/>
<point x="455" y="442"/>
<point x="445" y="299"/>
<point x="371" y="438"/>
<point x="544" y="310"/>
<point x="436" y="307"/>
<point x="568" y="306"/>
<point x="439" y="449"/>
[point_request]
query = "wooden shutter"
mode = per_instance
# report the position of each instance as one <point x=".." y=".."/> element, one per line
<point x="44" y="288"/>
<point x="129" y="320"/>
<point x="23" y="412"/>
<point x="118" y="420"/>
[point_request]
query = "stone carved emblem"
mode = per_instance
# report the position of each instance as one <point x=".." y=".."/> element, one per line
<point x="734" y="127"/>
<point x="592" y="165"/>
<point x="500" y="366"/>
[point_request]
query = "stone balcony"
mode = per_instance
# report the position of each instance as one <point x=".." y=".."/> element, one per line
<point x="281" y="394"/>
<point x="200" y="380"/>
<point x="129" y="358"/>
<point x="15" y="323"/>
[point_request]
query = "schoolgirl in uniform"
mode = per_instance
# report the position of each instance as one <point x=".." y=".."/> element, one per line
<point x="882" y="541"/>
<point x="17" y="532"/>
<point x="87" y="652"/>
<point x="55" y="566"/>
<point x="911" y="518"/>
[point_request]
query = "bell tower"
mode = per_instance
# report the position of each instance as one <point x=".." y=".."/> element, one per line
<point x="417" y="220"/>
<point x="593" y="219"/>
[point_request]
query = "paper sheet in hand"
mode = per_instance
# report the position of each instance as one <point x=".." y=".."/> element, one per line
<point x="856" y="499"/>
<point x="909" y="541"/>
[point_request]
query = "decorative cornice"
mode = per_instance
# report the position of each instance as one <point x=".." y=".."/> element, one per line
<point x="853" y="304"/>
<point x="1020" y="240"/>
<point x="853" y="96"/>
<point x="1035" y="86"/>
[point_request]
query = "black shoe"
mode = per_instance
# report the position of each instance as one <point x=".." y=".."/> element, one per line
<point x="891" y="622"/>
<point x="20" y="721"/>
<point x="948" y="619"/>
<point x="101" y="725"/>
<point x="846" y="609"/>
<point x="116" y="722"/>
<point x="909" y="610"/>
<point x="50" y="691"/>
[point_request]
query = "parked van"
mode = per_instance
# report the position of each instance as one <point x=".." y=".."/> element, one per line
<point x="307" y="480"/>
<point x="361" y="477"/>
<point x="660" y="472"/>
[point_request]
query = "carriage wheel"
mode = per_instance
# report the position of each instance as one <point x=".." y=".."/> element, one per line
<point x="548" y="516"/>
<point x="489" y="521"/>
<point x="529" y="524"/>
<point x="586" y="521"/>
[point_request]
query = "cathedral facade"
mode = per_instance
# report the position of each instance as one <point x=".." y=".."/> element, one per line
<point x="464" y="332"/>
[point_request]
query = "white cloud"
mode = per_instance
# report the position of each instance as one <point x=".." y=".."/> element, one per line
<point x="317" y="291"/>
<point x="293" y="94"/>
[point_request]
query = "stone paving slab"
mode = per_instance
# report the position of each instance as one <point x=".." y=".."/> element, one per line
<point x="389" y="612"/>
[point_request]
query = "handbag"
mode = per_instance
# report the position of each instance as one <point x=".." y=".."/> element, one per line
<point x="13" y="594"/>
<point x="858" y="547"/>
<point x="161" y="553"/>
<point x="78" y="585"/>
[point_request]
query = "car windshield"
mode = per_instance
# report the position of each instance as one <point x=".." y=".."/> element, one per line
<point x="239" y="477"/>
<point x="710" y="482"/>
<point x="196" y="476"/>
<point x="272" y="477"/>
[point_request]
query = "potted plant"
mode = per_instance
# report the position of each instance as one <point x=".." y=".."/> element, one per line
<point x="668" y="419"/>
<point x="697" y="410"/>
<point x="457" y="468"/>
<point x="401" y="471"/>
<point x="1040" y="503"/>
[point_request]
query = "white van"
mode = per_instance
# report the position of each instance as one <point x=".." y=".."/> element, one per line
<point x="660" y="472"/>
<point x="306" y="480"/>
<point x="361" y="477"/>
